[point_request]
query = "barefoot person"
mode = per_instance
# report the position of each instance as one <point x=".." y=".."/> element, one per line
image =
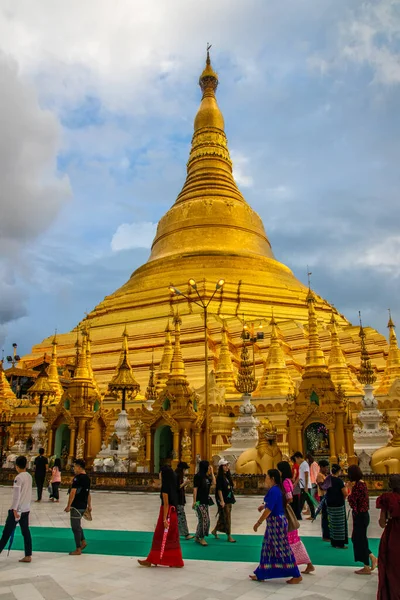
<point x="277" y="559"/>
<point x="181" y="472"/>
<point x="79" y="500"/>
<point x="225" y="499"/>
<point x="336" y="494"/>
<point x="165" y="548"/>
<point x="389" y="547"/>
<point x="20" y="508"/>
<point x="359" y="502"/>
<point x="297" y="546"/>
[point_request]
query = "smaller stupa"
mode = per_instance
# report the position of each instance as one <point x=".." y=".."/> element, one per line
<point x="372" y="433"/>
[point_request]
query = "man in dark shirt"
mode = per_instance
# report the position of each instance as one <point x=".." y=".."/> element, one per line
<point x="41" y="465"/>
<point x="79" y="500"/>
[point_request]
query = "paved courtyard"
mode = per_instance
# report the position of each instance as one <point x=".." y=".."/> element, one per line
<point x="57" y="576"/>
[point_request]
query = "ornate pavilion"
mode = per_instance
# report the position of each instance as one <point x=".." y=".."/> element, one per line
<point x="148" y="337"/>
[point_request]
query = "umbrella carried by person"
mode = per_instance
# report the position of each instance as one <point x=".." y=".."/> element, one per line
<point x="320" y="507"/>
<point x="165" y="534"/>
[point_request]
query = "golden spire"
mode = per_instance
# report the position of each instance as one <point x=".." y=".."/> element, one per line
<point x="315" y="359"/>
<point x="52" y="371"/>
<point x="246" y="383"/>
<point x="224" y="375"/>
<point x="210" y="200"/>
<point x="366" y="375"/>
<point x="89" y="361"/>
<point x="165" y="364"/>
<point x="82" y="369"/>
<point x="337" y="365"/>
<point x="392" y="369"/>
<point x="123" y="378"/>
<point x="177" y="364"/>
<point x="276" y="380"/>
<point x="151" y="391"/>
<point x="42" y="390"/>
<point x="6" y="393"/>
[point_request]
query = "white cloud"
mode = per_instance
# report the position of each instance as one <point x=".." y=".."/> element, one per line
<point x="384" y="255"/>
<point x="133" y="235"/>
<point x="240" y="169"/>
<point x="31" y="192"/>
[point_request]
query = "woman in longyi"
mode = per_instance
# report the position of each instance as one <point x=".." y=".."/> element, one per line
<point x="166" y="549"/>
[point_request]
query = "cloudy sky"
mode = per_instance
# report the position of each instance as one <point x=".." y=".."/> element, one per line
<point x="96" y="111"/>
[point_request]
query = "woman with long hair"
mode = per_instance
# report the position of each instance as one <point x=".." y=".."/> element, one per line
<point x="296" y="488"/>
<point x="277" y="559"/>
<point x="202" y="482"/>
<point x="389" y="547"/>
<point x="55" y="481"/>
<point x="225" y="499"/>
<point x="359" y="502"/>
<point x="322" y="475"/>
<point x="165" y="549"/>
<point x="182" y="481"/>
<point x="297" y="546"/>
<point x="336" y="494"/>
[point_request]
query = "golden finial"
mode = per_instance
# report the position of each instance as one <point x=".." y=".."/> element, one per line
<point x="366" y="375"/>
<point x="390" y="322"/>
<point x="315" y="358"/>
<point x="151" y="391"/>
<point x="208" y="81"/>
<point x="246" y="383"/>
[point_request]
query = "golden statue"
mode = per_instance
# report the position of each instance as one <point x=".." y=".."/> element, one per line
<point x="387" y="459"/>
<point x="266" y="455"/>
<point x="343" y="458"/>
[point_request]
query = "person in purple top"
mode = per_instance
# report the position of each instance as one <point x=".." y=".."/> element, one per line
<point x="277" y="559"/>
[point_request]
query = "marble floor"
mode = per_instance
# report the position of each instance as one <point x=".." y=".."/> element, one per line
<point x="54" y="576"/>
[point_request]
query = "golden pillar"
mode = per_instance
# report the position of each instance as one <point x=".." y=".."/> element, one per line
<point x="332" y="446"/>
<point x="72" y="443"/>
<point x="50" y="442"/>
<point x="299" y="438"/>
<point x="148" y="447"/>
<point x="339" y="432"/>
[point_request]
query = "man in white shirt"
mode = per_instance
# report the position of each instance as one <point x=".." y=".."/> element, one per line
<point x="20" y="508"/>
<point x="305" y="483"/>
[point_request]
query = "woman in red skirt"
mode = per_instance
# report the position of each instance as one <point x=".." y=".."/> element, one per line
<point x="165" y="549"/>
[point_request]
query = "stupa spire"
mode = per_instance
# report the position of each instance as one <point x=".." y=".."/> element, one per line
<point x="246" y="383"/>
<point x="151" y="391"/>
<point x="165" y="364"/>
<point x="82" y="369"/>
<point x="177" y="364"/>
<point x="89" y="360"/>
<point x="276" y="380"/>
<point x="210" y="200"/>
<point x="337" y="365"/>
<point x="123" y="378"/>
<point x="6" y="393"/>
<point x="52" y="371"/>
<point x="392" y="369"/>
<point x="366" y="375"/>
<point x="224" y="375"/>
<point x="315" y="359"/>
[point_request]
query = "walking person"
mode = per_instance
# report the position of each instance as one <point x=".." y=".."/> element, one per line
<point x="225" y="499"/>
<point x="202" y="482"/>
<point x="314" y="470"/>
<point x="336" y="494"/>
<point x="305" y="484"/>
<point x="322" y="475"/>
<point x="182" y="481"/>
<point x="296" y="488"/>
<point x="55" y="481"/>
<point x="297" y="546"/>
<point x="79" y="500"/>
<point x="359" y="501"/>
<point x="165" y="548"/>
<point x="20" y="509"/>
<point x="40" y="466"/>
<point x="277" y="558"/>
<point x="389" y="547"/>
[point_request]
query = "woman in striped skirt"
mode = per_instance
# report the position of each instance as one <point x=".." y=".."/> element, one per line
<point x="336" y="495"/>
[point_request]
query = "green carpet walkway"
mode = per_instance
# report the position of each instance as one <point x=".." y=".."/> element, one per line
<point x="137" y="543"/>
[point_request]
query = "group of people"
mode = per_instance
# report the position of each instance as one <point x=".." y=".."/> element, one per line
<point x="79" y="501"/>
<point x="288" y="490"/>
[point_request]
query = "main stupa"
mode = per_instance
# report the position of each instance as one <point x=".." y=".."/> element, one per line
<point x="210" y="232"/>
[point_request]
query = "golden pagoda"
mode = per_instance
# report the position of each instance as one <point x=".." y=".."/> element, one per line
<point x="210" y="232"/>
